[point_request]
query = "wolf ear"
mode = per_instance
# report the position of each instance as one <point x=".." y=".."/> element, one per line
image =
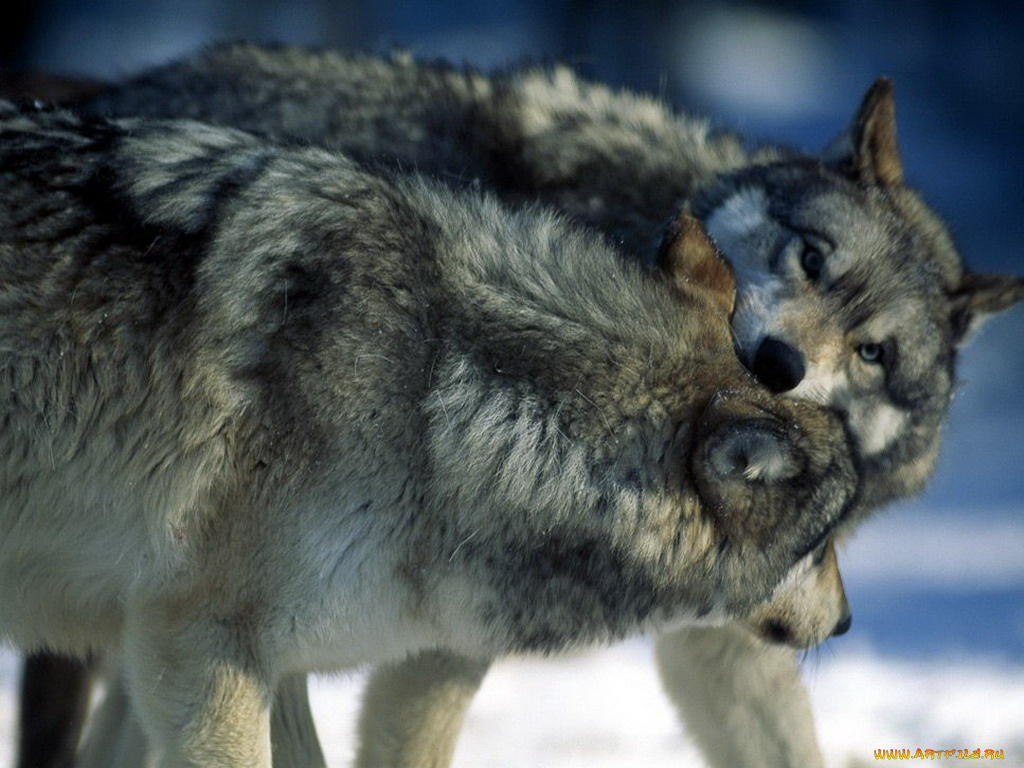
<point x="978" y="298"/>
<point x="867" y="150"/>
<point x="688" y="258"/>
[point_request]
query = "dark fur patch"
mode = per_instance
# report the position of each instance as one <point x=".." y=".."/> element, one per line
<point x="567" y="590"/>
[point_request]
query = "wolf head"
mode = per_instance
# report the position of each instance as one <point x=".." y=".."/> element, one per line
<point x="808" y="606"/>
<point x="851" y="292"/>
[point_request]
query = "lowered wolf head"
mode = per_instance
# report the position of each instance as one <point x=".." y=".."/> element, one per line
<point x="851" y="292"/>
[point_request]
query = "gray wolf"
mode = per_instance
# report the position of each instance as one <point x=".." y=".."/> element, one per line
<point x="266" y="413"/>
<point x="851" y="291"/>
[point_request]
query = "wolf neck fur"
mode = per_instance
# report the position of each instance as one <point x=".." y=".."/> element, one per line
<point x="543" y="278"/>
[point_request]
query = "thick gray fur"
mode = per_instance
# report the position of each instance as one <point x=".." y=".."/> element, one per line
<point x="266" y="413"/>
<point x="624" y="163"/>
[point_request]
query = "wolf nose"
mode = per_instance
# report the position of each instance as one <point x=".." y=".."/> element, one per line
<point x="843" y="626"/>
<point x="778" y="366"/>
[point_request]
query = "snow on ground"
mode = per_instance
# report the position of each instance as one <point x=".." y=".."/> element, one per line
<point x="865" y="702"/>
<point x="604" y="709"/>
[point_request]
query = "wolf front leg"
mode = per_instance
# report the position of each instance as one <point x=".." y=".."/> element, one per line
<point x="413" y="711"/>
<point x="115" y="738"/>
<point x="197" y="689"/>
<point x="741" y="699"/>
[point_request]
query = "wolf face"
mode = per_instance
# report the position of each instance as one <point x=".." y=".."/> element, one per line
<point x="839" y="301"/>
<point x="851" y="292"/>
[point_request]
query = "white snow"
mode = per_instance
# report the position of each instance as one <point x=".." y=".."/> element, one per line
<point x="604" y="709"/>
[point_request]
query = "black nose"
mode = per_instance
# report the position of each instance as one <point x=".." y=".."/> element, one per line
<point x="778" y="366"/>
<point x="843" y="626"/>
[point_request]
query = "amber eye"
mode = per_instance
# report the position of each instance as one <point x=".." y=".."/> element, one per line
<point x="812" y="262"/>
<point x="870" y="353"/>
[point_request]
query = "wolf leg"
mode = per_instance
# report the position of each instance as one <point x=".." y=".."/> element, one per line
<point x="196" y="689"/>
<point x="292" y="731"/>
<point x="54" y="702"/>
<point x="114" y="738"/>
<point x="413" y="711"/>
<point x="741" y="699"/>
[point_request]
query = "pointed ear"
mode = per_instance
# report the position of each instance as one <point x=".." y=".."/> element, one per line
<point x="688" y="258"/>
<point x="867" y="150"/>
<point x="978" y="298"/>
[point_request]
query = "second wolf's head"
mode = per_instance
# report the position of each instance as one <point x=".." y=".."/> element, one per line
<point x="810" y="604"/>
<point x="852" y="293"/>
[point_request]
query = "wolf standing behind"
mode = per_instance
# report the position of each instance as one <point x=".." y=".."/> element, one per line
<point x="851" y="291"/>
<point x="267" y="413"/>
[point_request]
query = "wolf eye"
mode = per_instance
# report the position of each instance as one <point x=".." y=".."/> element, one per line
<point x="870" y="353"/>
<point x="812" y="261"/>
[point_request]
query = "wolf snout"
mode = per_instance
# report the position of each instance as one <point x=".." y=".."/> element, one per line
<point x="778" y="365"/>
<point x="780" y="632"/>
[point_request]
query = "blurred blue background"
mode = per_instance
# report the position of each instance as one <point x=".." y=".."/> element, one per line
<point x="940" y="575"/>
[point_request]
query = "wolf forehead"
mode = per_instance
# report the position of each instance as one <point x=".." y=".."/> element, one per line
<point x="805" y="194"/>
